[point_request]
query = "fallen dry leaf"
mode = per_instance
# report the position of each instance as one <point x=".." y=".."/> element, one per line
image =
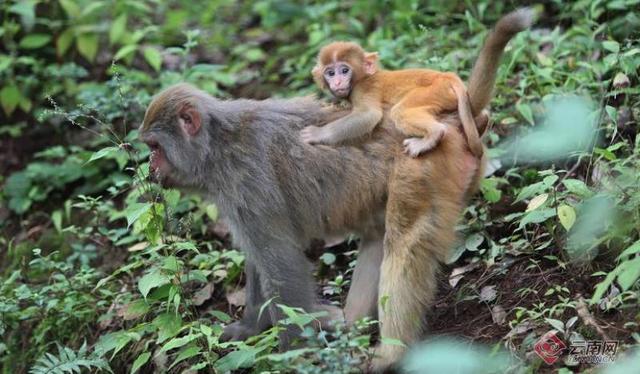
<point x="237" y="297"/>
<point x="498" y="315"/>
<point x="457" y="273"/>
<point x="488" y="293"/>
<point x="202" y="295"/>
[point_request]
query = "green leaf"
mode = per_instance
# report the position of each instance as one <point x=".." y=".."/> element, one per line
<point x="629" y="274"/>
<point x="118" y="29"/>
<point x="179" y="342"/>
<point x="242" y="358"/>
<point x="151" y="281"/>
<point x="328" y="258"/>
<point x="125" y="51"/>
<point x="537" y="216"/>
<point x="56" y="218"/>
<point x="64" y="42"/>
<point x="212" y="212"/>
<point x="34" y="41"/>
<point x="9" y="98"/>
<point x="556" y="324"/>
<point x="567" y="216"/>
<point x="525" y="111"/>
<point x="168" y="325"/>
<point x="186" y="353"/>
<point x="611" y="46"/>
<point x="577" y="187"/>
<point x="70" y="7"/>
<point x="108" y="151"/>
<point x="87" y="45"/>
<point x="537" y="202"/>
<point x="631" y="250"/>
<point x="140" y="361"/>
<point x="135" y="309"/>
<point x="135" y="210"/>
<point x="26" y="11"/>
<point x="473" y="241"/>
<point x="153" y="57"/>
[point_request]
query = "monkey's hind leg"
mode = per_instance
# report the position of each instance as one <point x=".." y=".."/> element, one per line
<point x="419" y="235"/>
<point x="415" y="116"/>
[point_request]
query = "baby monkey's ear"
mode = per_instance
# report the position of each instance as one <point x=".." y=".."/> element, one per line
<point x="318" y="77"/>
<point x="370" y="63"/>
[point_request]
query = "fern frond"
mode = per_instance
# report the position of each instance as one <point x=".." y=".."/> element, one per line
<point x="68" y="361"/>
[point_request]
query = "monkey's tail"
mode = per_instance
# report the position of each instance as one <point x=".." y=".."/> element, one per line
<point x="468" y="123"/>
<point x="483" y="75"/>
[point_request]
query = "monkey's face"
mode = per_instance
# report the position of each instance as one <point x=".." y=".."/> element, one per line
<point x="338" y="77"/>
<point x="175" y="147"/>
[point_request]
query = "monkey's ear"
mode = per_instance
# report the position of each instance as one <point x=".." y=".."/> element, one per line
<point x="189" y="119"/>
<point x="317" y="77"/>
<point x="370" y="63"/>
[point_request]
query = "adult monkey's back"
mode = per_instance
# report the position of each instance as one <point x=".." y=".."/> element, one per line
<point x="277" y="194"/>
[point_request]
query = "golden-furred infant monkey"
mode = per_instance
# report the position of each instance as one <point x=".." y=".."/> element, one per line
<point x="417" y="98"/>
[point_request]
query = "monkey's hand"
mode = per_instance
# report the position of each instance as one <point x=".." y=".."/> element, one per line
<point x="313" y="135"/>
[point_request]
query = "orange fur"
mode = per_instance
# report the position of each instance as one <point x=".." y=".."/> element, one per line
<point x="417" y="99"/>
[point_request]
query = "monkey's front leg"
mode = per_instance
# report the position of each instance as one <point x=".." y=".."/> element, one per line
<point x="251" y="324"/>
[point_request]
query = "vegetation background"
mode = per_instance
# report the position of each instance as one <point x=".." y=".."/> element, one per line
<point x="101" y="270"/>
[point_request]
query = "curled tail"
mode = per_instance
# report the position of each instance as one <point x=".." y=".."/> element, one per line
<point x="483" y="75"/>
<point x="469" y="126"/>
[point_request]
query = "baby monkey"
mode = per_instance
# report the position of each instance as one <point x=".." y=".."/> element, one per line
<point x="416" y="97"/>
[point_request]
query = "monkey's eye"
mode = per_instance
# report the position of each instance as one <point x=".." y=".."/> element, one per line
<point x="345" y="70"/>
<point x="330" y="73"/>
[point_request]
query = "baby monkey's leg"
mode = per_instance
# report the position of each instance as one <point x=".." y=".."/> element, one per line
<point x="415" y="116"/>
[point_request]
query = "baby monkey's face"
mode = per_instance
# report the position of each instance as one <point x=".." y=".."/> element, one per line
<point x="338" y="77"/>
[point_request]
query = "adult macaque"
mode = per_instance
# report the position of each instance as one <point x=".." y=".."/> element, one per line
<point x="417" y="97"/>
<point x="277" y="194"/>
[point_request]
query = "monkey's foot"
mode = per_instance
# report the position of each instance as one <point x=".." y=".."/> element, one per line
<point x="237" y="331"/>
<point x="385" y="357"/>
<point x="414" y="147"/>
<point x="334" y="314"/>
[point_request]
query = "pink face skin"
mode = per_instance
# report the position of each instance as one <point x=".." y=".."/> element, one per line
<point x="159" y="167"/>
<point x="338" y="77"/>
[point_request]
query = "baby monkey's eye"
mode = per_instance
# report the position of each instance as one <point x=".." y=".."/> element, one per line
<point x="330" y="73"/>
<point x="345" y="70"/>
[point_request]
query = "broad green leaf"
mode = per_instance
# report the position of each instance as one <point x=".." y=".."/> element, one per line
<point x="611" y="46"/>
<point x="140" y="361"/>
<point x="34" y="41"/>
<point x="179" y="342"/>
<point x="328" y="258"/>
<point x="556" y="324"/>
<point x="70" y="7"/>
<point x="151" y="281"/>
<point x="135" y="309"/>
<point x="103" y="153"/>
<point x="26" y="11"/>
<point x="125" y="51"/>
<point x="64" y="42"/>
<point x="118" y="29"/>
<point x="473" y="241"/>
<point x="135" y="210"/>
<point x="537" y="201"/>
<point x="629" y="274"/>
<point x="537" y="216"/>
<point x="242" y="358"/>
<point x="577" y="187"/>
<point x="87" y="45"/>
<point x="186" y="353"/>
<point x="56" y="218"/>
<point x="567" y="216"/>
<point x="630" y="251"/>
<point x="153" y="57"/>
<point x="168" y="325"/>
<point x="212" y="212"/>
<point x="525" y="111"/>
<point x="9" y="98"/>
